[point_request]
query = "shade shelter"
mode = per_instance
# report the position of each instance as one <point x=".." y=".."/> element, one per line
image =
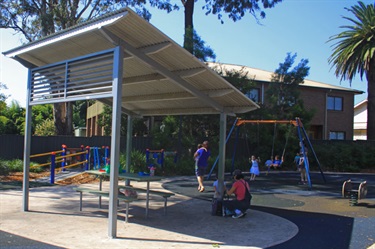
<point x="124" y="61"/>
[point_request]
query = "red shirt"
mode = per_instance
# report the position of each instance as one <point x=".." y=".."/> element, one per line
<point x="239" y="190"/>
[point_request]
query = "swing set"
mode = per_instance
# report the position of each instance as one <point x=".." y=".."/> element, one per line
<point x="302" y="135"/>
<point x="268" y="162"/>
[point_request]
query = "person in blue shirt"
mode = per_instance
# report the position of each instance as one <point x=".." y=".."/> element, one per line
<point x="277" y="162"/>
<point x="296" y="160"/>
<point x="201" y="156"/>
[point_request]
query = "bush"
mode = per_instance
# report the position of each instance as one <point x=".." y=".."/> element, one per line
<point x="343" y="156"/>
<point x="138" y="161"/>
<point x="4" y="170"/>
<point x="34" y="168"/>
<point x="16" y="165"/>
<point x="46" y="128"/>
<point x="333" y="155"/>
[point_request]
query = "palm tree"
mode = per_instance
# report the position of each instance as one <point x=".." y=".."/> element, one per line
<point x="353" y="53"/>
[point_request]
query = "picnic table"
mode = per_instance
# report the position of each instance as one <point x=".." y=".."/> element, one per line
<point x="129" y="176"/>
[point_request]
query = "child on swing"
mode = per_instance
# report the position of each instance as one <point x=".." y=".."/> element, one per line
<point x="277" y="162"/>
<point x="254" y="170"/>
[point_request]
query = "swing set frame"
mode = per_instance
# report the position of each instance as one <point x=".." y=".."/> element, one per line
<point x="302" y="135"/>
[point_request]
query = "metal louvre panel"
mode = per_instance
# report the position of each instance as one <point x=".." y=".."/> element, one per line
<point x="86" y="76"/>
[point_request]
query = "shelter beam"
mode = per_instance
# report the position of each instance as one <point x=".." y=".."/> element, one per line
<point x="115" y="141"/>
<point x="222" y="145"/>
<point x="156" y="48"/>
<point x="158" y="77"/>
<point x="27" y="144"/>
<point x="241" y="122"/>
<point x="172" y="96"/>
<point x="162" y="70"/>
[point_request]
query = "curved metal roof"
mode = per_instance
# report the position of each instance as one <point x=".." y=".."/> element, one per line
<point x="159" y="76"/>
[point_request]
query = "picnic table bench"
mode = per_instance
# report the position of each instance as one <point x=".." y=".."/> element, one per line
<point x="100" y="193"/>
<point x="163" y="194"/>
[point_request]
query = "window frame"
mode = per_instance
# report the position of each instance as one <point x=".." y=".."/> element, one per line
<point x="337" y="135"/>
<point x="256" y="98"/>
<point x="335" y="104"/>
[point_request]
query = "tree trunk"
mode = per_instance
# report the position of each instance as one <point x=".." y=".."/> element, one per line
<point x="188" y="38"/>
<point x="63" y="118"/>
<point x="371" y="101"/>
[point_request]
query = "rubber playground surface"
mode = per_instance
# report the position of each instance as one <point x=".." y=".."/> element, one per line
<point x="284" y="214"/>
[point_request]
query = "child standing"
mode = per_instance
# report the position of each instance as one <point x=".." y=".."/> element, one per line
<point x="302" y="168"/>
<point x="296" y="160"/>
<point x="254" y="170"/>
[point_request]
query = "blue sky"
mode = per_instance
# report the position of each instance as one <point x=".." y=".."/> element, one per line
<point x="296" y="26"/>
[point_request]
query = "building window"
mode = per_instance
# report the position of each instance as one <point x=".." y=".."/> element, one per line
<point x="334" y="103"/>
<point x="253" y="94"/>
<point x="336" y="135"/>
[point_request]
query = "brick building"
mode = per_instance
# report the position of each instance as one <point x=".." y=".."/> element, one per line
<point x="333" y="105"/>
<point x="92" y="116"/>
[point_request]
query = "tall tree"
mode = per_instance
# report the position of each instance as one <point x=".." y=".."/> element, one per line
<point x="234" y="9"/>
<point x="3" y="106"/>
<point x="105" y="121"/>
<point x="39" y="18"/>
<point x="282" y="102"/>
<point x="3" y="97"/>
<point x="15" y="118"/>
<point x="353" y="53"/>
<point x="283" y="93"/>
<point x="80" y="111"/>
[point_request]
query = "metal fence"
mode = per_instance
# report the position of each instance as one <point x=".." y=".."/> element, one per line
<point x="12" y="146"/>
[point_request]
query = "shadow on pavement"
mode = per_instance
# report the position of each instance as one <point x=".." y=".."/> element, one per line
<point x="8" y="240"/>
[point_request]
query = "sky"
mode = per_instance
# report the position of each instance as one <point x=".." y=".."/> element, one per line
<point x="296" y="26"/>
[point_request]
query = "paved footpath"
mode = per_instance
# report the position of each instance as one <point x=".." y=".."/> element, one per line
<point x="284" y="215"/>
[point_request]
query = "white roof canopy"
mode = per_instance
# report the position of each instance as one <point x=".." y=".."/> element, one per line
<point x="159" y="76"/>
<point x="91" y="60"/>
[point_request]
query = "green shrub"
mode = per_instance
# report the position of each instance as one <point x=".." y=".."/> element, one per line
<point x="34" y="168"/>
<point x="333" y="155"/>
<point x="343" y="156"/>
<point x="173" y="168"/>
<point x="15" y="165"/>
<point x="4" y="170"/>
<point x="138" y="161"/>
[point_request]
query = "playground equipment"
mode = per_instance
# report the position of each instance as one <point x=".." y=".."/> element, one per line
<point x="302" y="135"/>
<point x="70" y="156"/>
<point x="155" y="158"/>
<point x="99" y="157"/>
<point x="63" y="156"/>
<point x="354" y="194"/>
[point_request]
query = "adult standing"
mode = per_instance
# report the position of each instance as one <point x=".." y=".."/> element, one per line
<point x="201" y="156"/>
